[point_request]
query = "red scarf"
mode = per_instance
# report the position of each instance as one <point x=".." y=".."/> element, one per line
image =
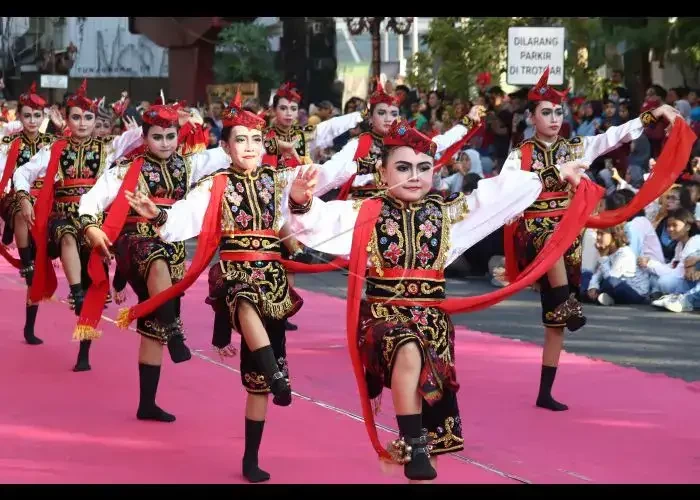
<point x="45" y="283"/>
<point x="96" y="296"/>
<point x="10" y="163"/>
<point x="670" y="164"/>
<point x="584" y="202"/>
<point x="209" y="239"/>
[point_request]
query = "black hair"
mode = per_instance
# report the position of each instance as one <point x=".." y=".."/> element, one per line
<point x="686" y="217"/>
<point x="276" y="101"/>
<point x="145" y="127"/>
<point x="532" y="106"/>
<point x="226" y="133"/>
<point x="404" y="88"/>
<point x="471" y="182"/>
<point x="620" y="199"/>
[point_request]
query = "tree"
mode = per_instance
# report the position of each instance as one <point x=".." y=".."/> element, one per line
<point x="420" y="71"/>
<point x="684" y="48"/>
<point x="244" y="55"/>
<point x="464" y="47"/>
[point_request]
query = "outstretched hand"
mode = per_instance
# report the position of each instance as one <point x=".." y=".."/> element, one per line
<point x="304" y="185"/>
<point x="142" y="204"/>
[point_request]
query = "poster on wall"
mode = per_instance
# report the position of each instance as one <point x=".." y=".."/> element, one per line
<point x="225" y="92"/>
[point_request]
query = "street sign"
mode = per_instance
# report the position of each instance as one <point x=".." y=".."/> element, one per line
<point x="54" y="81"/>
<point x="531" y="50"/>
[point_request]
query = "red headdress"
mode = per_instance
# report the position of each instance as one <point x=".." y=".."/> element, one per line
<point x="543" y="92"/>
<point x="79" y="100"/>
<point x="234" y="115"/>
<point x="32" y="99"/>
<point x="121" y="105"/>
<point x="402" y="134"/>
<point x="289" y="92"/>
<point x="161" y="116"/>
<point x="379" y="96"/>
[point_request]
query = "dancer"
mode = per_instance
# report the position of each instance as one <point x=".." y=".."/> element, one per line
<point x="544" y="154"/>
<point x="405" y="340"/>
<point x="15" y="151"/>
<point x="289" y="145"/>
<point x="353" y="168"/>
<point x="146" y="262"/>
<point x="74" y="164"/>
<point x="240" y="211"/>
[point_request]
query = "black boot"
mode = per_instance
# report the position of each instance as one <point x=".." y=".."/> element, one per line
<point x="149" y="375"/>
<point x="544" y="398"/>
<point x="413" y="449"/>
<point x="27" y="272"/>
<point x="29" y="323"/>
<point x="265" y="359"/>
<point x="83" y="363"/>
<point x="169" y="320"/>
<point x="76" y="298"/>
<point x="253" y="436"/>
<point x="569" y="310"/>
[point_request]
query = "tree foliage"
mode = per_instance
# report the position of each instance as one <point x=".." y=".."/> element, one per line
<point x="460" y="48"/>
<point x="244" y="55"/>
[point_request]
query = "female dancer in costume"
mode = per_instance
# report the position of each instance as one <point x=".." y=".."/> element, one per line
<point x="404" y="339"/>
<point x="289" y="145"/>
<point x="240" y="211"/>
<point x="16" y="150"/>
<point x="354" y="167"/>
<point x="545" y="154"/>
<point x="146" y="262"/>
<point x="74" y="164"/>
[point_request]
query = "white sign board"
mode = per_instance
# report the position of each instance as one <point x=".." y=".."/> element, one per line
<point x="54" y="81"/>
<point x="531" y="50"/>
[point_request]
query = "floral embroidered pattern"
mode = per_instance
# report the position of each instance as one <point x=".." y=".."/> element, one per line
<point x="393" y="253"/>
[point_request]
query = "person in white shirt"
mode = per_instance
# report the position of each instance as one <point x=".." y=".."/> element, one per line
<point x="682" y="229"/>
<point x="642" y="237"/>
<point x="617" y="278"/>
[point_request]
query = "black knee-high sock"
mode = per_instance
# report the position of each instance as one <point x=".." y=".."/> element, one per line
<point x="265" y="358"/>
<point x="411" y="429"/>
<point x="25" y="256"/>
<point x="167" y="314"/>
<point x="253" y="437"/>
<point x="83" y="362"/>
<point x="149" y="376"/>
<point x="544" y="398"/>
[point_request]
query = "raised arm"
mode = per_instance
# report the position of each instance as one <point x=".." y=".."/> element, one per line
<point x="207" y="162"/>
<point x="491" y="205"/>
<point x="338" y="169"/>
<point x="328" y="130"/>
<point x="185" y="217"/>
<point x="122" y="144"/>
<point x="326" y="226"/>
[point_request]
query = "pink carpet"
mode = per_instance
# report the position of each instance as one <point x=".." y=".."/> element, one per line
<point x="57" y="426"/>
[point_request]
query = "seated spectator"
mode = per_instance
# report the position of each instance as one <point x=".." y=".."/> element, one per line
<point x="690" y="300"/>
<point x="641" y="235"/>
<point x="617" y="278"/>
<point x="675" y="199"/>
<point x="670" y="278"/>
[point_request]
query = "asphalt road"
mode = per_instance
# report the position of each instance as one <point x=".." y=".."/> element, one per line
<point x="649" y="339"/>
<point x="644" y="337"/>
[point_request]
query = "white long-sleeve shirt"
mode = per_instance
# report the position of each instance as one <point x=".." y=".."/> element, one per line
<point x="105" y="190"/>
<point x="36" y="168"/>
<point x="593" y="146"/>
<point x="328" y="226"/>
<point x="341" y="166"/>
<point x="676" y="267"/>
<point x="622" y="265"/>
